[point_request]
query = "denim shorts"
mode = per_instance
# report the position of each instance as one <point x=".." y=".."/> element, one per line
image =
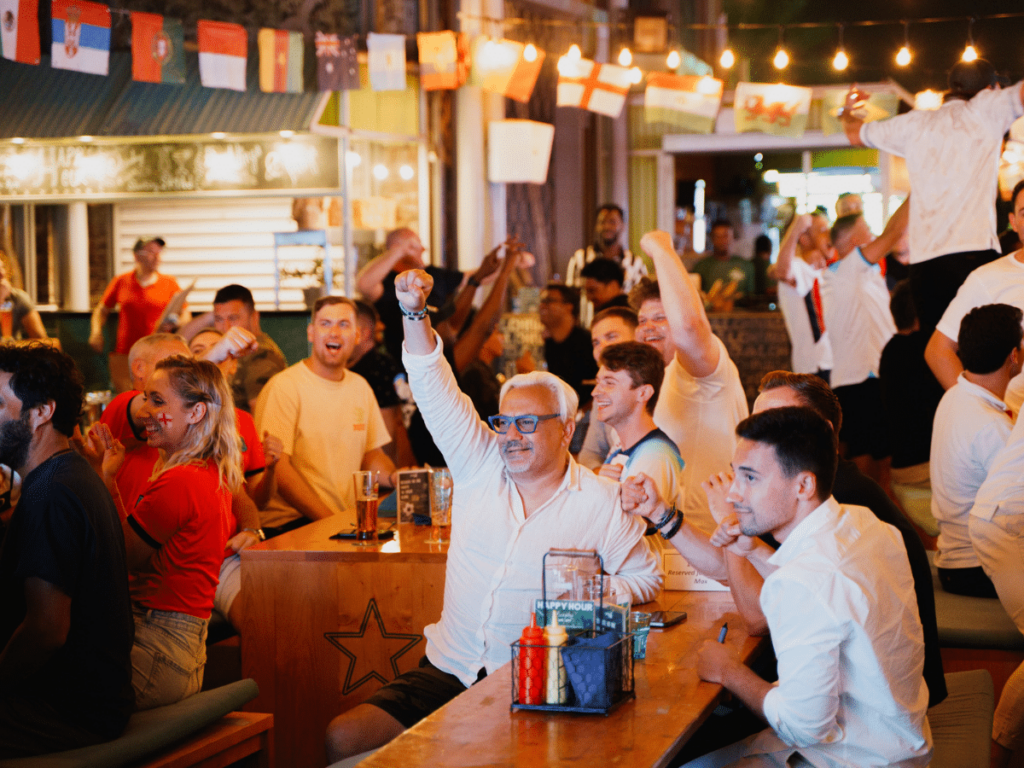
<point x="168" y="657"/>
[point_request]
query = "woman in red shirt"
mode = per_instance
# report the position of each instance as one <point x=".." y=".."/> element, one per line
<point x="175" y="498"/>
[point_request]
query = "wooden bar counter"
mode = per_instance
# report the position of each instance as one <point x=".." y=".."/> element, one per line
<point x="477" y="728"/>
<point x="326" y="623"/>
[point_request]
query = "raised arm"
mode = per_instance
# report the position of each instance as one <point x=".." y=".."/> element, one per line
<point x="787" y="249"/>
<point x="98" y="320"/>
<point x="370" y="280"/>
<point x="696" y="348"/>
<point x="412" y="288"/>
<point x="468" y="347"/>
<point x="852" y="123"/>
<point x="876" y="250"/>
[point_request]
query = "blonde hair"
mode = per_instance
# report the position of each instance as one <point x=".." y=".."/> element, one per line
<point x="215" y="437"/>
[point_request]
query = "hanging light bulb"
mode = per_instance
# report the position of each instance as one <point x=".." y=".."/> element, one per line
<point x="635" y="75"/>
<point x="574" y="54"/>
<point x="529" y="52"/>
<point x="625" y="57"/>
<point x="674" y="59"/>
<point x="841" y="60"/>
<point x="903" y="57"/>
<point x="727" y="59"/>
<point x="781" y="60"/>
<point x="970" y="52"/>
<point x="567" y="65"/>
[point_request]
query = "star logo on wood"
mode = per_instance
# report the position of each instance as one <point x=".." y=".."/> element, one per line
<point x="385" y="640"/>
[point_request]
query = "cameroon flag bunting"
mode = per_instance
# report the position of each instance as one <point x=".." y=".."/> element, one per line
<point x="280" y="61"/>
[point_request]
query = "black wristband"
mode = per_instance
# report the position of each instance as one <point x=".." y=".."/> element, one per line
<point x="473" y="281"/>
<point x="669" y="512"/>
<point x="413" y="315"/>
<point x="675" y="527"/>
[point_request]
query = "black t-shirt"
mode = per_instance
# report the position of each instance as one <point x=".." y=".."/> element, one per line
<point x="910" y="396"/>
<point x="381" y="371"/>
<point x="66" y="531"/>
<point x="446" y="283"/>
<point x="854" y="487"/>
<point x="572" y="360"/>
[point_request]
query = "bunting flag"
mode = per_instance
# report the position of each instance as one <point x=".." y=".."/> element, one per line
<point x="524" y="76"/>
<point x="337" y="68"/>
<point x="777" y="109"/>
<point x="439" y="61"/>
<point x="386" y="61"/>
<point x="158" y="50"/>
<point x="19" y="30"/>
<point x="583" y="83"/>
<point x="519" y="151"/>
<point x="281" y="54"/>
<point x="878" y="107"/>
<point x="81" y="36"/>
<point x="506" y="67"/>
<point x="683" y="100"/>
<point x="223" y="48"/>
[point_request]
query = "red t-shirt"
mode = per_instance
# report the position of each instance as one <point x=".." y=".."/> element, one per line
<point x="185" y="515"/>
<point x="115" y="416"/>
<point x="253" y="461"/>
<point x="140" y="307"/>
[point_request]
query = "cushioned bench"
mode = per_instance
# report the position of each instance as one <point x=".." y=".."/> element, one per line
<point x="962" y="724"/>
<point x="973" y="622"/>
<point x="195" y="731"/>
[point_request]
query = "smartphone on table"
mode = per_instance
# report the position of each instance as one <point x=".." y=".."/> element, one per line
<point x="662" y="619"/>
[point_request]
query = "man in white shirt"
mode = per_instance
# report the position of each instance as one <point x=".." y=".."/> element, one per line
<point x="803" y="255"/>
<point x="857" y="316"/>
<point x="971" y="427"/>
<point x="839" y="599"/>
<point x="952" y="156"/>
<point x="329" y="423"/>
<point x="999" y="282"/>
<point x="702" y="398"/>
<point x="518" y="493"/>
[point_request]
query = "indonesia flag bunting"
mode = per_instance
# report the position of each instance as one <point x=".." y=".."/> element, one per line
<point x="281" y="54"/>
<point x="222" y="54"/>
<point x="81" y="36"/>
<point x="19" y="30"/>
<point x="158" y="52"/>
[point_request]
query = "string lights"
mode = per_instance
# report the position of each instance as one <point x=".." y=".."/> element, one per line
<point x="727" y="59"/>
<point x="970" y="52"/>
<point x="625" y="57"/>
<point x="673" y="60"/>
<point x="781" y="60"/>
<point x="841" y="60"/>
<point x="904" y="56"/>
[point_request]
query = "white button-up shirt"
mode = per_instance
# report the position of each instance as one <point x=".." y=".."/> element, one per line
<point x="844" y="624"/>
<point x="493" y="575"/>
<point x="971" y="427"/>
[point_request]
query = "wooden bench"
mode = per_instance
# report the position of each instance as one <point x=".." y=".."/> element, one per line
<point x="202" y="730"/>
<point x="962" y="723"/>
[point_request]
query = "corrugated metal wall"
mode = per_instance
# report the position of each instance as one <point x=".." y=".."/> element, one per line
<point x="218" y="242"/>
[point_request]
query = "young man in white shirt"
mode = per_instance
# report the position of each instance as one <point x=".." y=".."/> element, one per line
<point x="518" y="493"/>
<point x="803" y="255"/>
<point x="952" y="157"/>
<point x="971" y="427"/>
<point x="839" y="600"/>
<point x="702" y="398"/>
<point x="859" y="322"/>
<point x="999" y="282"/>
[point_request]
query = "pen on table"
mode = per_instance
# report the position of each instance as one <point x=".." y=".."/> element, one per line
<point x="723" y="632"/>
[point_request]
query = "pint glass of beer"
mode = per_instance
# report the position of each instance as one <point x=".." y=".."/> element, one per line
<point x="440" y="506"/>
<point x="366" y="507"/>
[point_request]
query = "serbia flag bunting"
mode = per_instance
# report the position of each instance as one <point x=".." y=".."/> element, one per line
<point x="158" y="52"/>
<point x="19" y="30"/>
<point x="222" y="53"/>
<point x="81" y="36"/>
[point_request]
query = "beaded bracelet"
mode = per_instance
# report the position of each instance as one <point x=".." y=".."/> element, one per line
<point x="419" y="315"/>
<point x="675" y="527"/>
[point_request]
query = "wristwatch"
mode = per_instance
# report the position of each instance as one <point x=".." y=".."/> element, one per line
<point x="259" y="533"/>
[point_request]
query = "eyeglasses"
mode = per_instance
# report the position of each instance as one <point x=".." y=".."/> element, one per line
<point x="525" y="424"/>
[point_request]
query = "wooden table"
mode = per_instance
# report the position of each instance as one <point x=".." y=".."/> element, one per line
<point x="326" y="623"/>
<point x="477" y="728"/>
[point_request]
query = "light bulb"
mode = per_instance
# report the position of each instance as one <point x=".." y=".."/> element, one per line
<point x="635" y="75"/>
<point x="625" y="57"/>
<point x="406" y="172"/>
<point x="841" y="61"/>
<point x="574" y="53"/>
<point x="380" y="172"/>
<point x="728" y="59"/>
<point x="903" y="57"/>
<point x="970" y="53"/>
<point x="674" y="60"/>
<point x="781" y="59"/>
<point x="529" y="52"/>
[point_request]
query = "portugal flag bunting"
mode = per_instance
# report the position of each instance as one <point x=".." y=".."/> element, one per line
<point x="280" y="61"/>
<point x="158" y="53"/>
<point x="222" y="54"/>
<point x="19" y="30"/>
<point x="81" y="36"/>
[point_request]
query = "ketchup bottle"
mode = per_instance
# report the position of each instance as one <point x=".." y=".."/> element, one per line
<point x="532" y="659"/>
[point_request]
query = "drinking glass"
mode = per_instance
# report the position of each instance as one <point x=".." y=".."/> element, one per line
<point x="440" y="506"/>
<point x="366" y="507"/>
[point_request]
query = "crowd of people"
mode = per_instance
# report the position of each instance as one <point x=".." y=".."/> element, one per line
<point x="125" y="540"/>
